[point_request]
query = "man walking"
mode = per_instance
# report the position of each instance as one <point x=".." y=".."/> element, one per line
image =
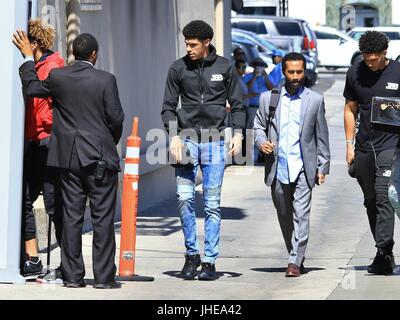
<point x="87" y="126"/>
<point x="375" y="76"/>
<point x="204" y="81"/>
<point x="295" y="141"/>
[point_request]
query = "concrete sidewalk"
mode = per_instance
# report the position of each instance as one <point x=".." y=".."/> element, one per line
<point x="253" y="258"/>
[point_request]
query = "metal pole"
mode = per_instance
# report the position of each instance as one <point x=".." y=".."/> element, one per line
<point x="73" y="26"/>
<point x="34" y="10"/>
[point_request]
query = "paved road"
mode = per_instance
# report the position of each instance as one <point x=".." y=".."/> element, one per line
<point x="253" y="257"/>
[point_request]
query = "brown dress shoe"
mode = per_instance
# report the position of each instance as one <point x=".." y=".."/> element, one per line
<point x="292" y="270"/>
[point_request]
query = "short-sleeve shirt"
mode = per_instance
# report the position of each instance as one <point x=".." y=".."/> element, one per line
<point x="258" y="87"/>
<point x="362" y="84"/>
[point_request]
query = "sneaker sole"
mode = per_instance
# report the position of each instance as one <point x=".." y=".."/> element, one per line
<point x="44" y="281"/>
<point x="32" y="276"/>
<point x="381" y="272"/>
<point x="206" y="278"/>
<point x="188" y="276"/>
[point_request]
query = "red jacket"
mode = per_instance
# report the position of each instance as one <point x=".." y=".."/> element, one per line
<point x="38" y="114"/>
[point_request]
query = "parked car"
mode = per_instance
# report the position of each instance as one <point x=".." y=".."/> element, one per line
<point x="393" y="33"/>
<point x="251" y="51"/>
<point x="335" y="48"/>
<point x="263" y="44"/>
<point x="287" y="33"/>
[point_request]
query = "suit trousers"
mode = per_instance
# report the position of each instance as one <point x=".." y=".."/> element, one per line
<point x="77" y="184"/>
<point x="293" y="204"/>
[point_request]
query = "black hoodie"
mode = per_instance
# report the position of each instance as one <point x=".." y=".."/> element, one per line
<point x="204" y="87"/>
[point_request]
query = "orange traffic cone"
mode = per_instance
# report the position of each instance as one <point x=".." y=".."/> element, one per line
<point x="129" y="209"/>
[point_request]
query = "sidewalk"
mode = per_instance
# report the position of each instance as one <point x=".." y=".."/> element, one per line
<point x="253" y="258"/>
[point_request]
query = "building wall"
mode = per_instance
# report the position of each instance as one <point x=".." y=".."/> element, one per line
<point x="395" y="12"/>
<point x="312" y="11"/>
<point x="333" y="10"/>
<point x="139" y="40"/>
<point x="138" y="44"/>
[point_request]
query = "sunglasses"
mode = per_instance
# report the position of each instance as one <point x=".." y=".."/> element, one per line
<point x="242" y="67"/>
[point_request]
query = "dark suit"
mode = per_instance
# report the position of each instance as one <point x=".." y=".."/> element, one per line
<point x="87" y="125"/>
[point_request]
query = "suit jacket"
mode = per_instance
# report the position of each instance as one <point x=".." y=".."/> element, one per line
<point x="314" y="136"/>
<point x="87" y="112"/>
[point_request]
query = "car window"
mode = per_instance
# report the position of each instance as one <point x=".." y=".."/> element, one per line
<point x="253" y="26"/>
<point x="326" y="36"/>
<point x="288" y="28"/>
<point x="356" y="34"/>
<point x="266" y="44"/>
<point x="392" y="35"/>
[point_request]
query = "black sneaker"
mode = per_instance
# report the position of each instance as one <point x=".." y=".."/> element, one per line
<point x="207" y="271"/>
<point x="393" y="262"/>
<point x="32" y="269"/>
<point x="382" y="264"/>
<point x="192" y="262"/>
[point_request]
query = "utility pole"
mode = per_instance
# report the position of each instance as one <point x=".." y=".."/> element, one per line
<point x="284" y="8"/>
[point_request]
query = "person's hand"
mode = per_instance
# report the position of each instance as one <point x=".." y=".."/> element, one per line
<point x="349" y="154"/>
<point x="21" y="41"/>
<point x="256" y="72"/>
<point x="235" y="144"/>
<point x="320" y="178"/>
<point x="267" y="147"/>
<point x="175" y="148"/>
<point x="264" y="73"/>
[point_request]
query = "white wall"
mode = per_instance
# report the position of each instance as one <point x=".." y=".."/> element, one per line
<point x="14" y="16"/>
<point x="313" y="11"/>
<point x="395" y="11"/>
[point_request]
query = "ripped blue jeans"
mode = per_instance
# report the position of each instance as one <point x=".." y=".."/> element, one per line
<point x="210" y="158"/>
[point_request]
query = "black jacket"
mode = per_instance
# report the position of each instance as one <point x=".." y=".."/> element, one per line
<point x="204" y="87"/>
<point x="86" y="111"/>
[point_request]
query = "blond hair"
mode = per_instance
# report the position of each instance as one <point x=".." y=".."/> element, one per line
<point x="42" y="32"/>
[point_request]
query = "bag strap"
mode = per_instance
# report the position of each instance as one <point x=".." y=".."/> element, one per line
<point x="273" y="104"/>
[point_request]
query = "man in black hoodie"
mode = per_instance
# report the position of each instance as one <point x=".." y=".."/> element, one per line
<point x="204" y="82"/>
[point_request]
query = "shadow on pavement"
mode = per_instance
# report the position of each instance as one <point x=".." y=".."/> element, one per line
<point x="396" y="270"/>
<point x="283" y="270"/>
<point x="177" y="274"/>
<point x="356" y="268"/>
<point x="169" y="208"/>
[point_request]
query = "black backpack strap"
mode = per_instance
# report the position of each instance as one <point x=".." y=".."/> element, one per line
<point x="273" y="104"/>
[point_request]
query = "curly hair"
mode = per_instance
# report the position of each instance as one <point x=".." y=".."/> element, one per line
<point x="41" y="32"/>
<point x="198" y="29"/>
<point x="373" y="42"/>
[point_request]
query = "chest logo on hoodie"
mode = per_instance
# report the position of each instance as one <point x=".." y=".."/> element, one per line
<point x="217" y="77"/>
<point x="392" y="86"/>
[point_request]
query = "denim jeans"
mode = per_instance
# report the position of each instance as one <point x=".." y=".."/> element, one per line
<point x="209" y="157"/>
